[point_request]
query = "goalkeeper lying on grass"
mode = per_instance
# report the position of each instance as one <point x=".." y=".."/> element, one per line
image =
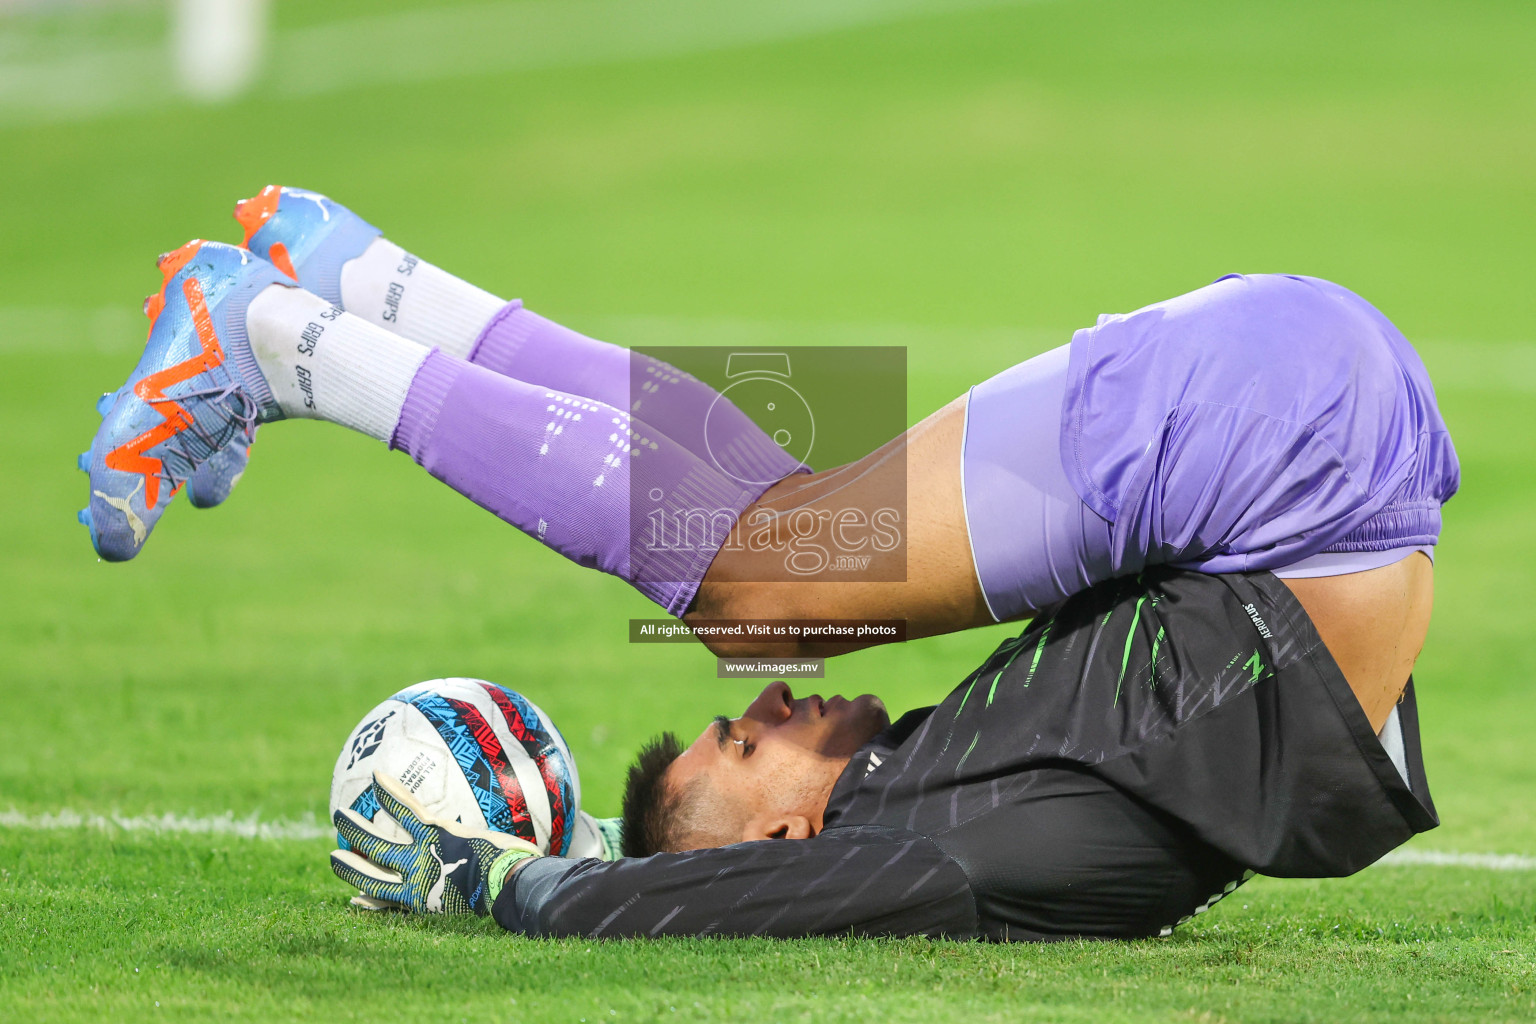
<point x="1218" y="510"/>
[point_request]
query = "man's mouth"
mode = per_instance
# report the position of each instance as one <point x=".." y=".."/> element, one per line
<point x="818" y="705"/>
<point x="836" y="702"/>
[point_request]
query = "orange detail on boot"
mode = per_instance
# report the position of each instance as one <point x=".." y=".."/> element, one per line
<point x="169" y="263"/>
<point x="174" y="260"/>
<point x="252" y="213"/>
<point x="130" y="457"/>
<point x="278" y="257"/>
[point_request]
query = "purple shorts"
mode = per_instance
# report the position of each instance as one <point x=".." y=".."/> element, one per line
<point x="1257" y="423"/>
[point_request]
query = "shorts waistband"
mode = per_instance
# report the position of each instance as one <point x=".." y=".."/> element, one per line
<point x="1399" y="525"/>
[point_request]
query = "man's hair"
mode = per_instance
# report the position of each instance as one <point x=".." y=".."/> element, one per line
<point x="652" y="811"/>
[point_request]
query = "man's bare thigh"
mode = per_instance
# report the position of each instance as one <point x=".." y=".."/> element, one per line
<point x="936" y="591"/>
<point x="1374" y="624"/>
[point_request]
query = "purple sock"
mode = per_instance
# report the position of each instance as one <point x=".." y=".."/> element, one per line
<point x="520" y="343"/>
<point x="563" y="468"/>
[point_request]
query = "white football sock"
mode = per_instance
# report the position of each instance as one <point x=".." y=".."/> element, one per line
<point x="324" y="364"/>
<point x="389" y="287"/>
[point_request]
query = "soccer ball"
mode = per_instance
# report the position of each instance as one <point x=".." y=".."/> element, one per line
<point x="471" y="752"/>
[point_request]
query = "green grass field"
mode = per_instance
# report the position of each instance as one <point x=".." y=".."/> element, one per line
<point x="970" y="179"/>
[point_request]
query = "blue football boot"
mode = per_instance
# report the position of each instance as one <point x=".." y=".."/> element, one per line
<point x="209" y="483"/>
<point x="195" y="393"/>
<point x="305" y="235"/>
<point x="212" y="482"/>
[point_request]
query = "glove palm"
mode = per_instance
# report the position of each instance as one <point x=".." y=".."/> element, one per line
<point x="444" y="869"/>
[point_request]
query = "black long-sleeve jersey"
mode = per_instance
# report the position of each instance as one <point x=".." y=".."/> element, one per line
<point x="1117" y="768"/>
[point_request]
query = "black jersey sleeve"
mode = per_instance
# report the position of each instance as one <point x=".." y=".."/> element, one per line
<point x="865" y="880"/>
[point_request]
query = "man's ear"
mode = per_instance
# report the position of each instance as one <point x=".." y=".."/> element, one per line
<point x="777" y="826"/>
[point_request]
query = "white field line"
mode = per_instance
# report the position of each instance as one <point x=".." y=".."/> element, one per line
<point x="1455" y="365"/>
<point x="1452" y="859"/>
<point x="252" y="827"/>
<point x="447" y="42"/>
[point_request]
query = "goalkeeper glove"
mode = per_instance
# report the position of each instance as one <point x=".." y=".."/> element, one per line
<point x="444" y="869"/>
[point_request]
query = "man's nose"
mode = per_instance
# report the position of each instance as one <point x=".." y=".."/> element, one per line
<point x="772" y="705"/>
